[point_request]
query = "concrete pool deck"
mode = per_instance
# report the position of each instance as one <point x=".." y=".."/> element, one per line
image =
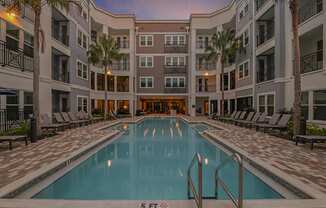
<point x="304" y="165"/>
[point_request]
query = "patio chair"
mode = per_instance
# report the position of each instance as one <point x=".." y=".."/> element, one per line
<point x="94" y="119"/>
<point x="248" y="123"/>
<point x="241" y="117"/>
<point x="11" y="139"/>
<point x="58" y="118"/>
<point x="76" y="119"/>
<point x="66" y="118"/>
<point x="48" y="126"/>
<point x="281" y="125"/>
<point x="272" y="122"/>
<point x="248" y="119"/>
<point x="312" y="139"/>
<point x="228" y="119"/>
<point x="217" y="117"/>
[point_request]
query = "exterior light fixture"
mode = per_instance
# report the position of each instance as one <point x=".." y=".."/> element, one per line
<point x="109" y="163"/>
<point x="206" y="73"/>
<point x="206" y="161"/>
<point x="109" y="72"/>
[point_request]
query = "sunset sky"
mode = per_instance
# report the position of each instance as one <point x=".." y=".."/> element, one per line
<point x="161" y="9"/>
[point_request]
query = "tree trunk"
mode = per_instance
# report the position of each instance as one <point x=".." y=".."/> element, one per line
<point x="296" y="69"/>
<point x="222" y="90"/>
<point x="105" y="92"/>
<point x="36" y="72"/>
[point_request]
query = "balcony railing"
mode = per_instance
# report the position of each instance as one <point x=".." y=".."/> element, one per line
<point x="206" y="66"/>
<point x="312" y="62"/>
<point x="267" y="74"/>
<point x="309" y="9"/>
<point x="59" y="36"/>
<point x="120" y="66"/>
<point x="175" y="48"/>
<point x="123" y="44"/>
<point x="260" y="4"/>
<point x="203" y="44"/>
<point x="60" y="75"/>
<point x="205" y="88"/>
<point x="175" y="69"/>
<point x="264" y="37"/>
<point x="15" y="58"/>
<point x="175" y="90"/>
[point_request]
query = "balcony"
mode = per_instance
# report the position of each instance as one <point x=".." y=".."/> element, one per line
<point x="265" y="27"/>
<point x="60" y="27"/>
<point x="120" y="66"/>
<point x="266" y="66"/>
<point x="175" y="48"/>
<point x="175" y="69"/>
<point x="60" y="66"/>
<point x="206" y="66"/>
<point x="260" y="4"/>
<point x="312" y="62"/>
<point x="123" y="44"/>
<point x="203" y="44"/>
<point x="265" y="74"/>
<point x="16" y="58"/>
<point x="309" y="9"/>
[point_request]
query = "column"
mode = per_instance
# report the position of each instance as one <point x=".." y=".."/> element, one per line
<point x="311" y="105"/>
<point x="115" y="84"/>
<point x="95" y="81"/>
<point x="115" y="106"/>
<point x="21" y="104"/>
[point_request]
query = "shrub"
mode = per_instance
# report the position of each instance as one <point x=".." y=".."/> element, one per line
<point x="23" y="129"/>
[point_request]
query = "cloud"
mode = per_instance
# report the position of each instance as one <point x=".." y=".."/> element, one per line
<point x="162" y="9"/>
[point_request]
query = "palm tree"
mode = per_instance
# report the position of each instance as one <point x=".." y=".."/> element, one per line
<point x="294" y="7"/>
<point x="223" y="45"/>
<point x="36" y="6"/>
<point x="103" y="53"/>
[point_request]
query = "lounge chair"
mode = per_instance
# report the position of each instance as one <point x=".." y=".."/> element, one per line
<point x="282" y="124"/>
<point x="67" y="119"/>
<point x="58" y="118"/>
<point x="94" y="119"/>
<point x="48" y="126"/>
<point x="76" y="119"/>
<point x="309" y="139"/>
<point x="113" y="115"/>
<point x="248" y="119"/>
<point x="11" y="139"/>
<point x="272" y="122"/>
<point x="241" y="117"/>
<point x="229" y="119"/>
<point x="222" y="118"/>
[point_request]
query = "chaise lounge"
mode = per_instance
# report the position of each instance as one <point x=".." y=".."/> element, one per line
<point x="11" y="139"/>
<point x="312" y="139"/>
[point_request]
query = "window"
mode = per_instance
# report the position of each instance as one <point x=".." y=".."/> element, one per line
<point x="319" y="105"/>
<point x="244" y="11"/>
<point x="146" y="61"/>
<point x="175" y="82"/>
<point x="244" y="37"/>
<point x="146" y="82"/>
<point x="82" y="39"/>
<point x="82" y="103"/>
<point x="146" y="41"/>
<point x="12" y="37"/>
<point x="110" y="83"/>
<point x="28" y="44"/>
<point x="122" y="83"/>
<point x="175" y="61"/>
<point x="82" y="70"/>
<point x="100" y="81"/>
<point x="174" y="40"/>
<point x="305" y="105"/>
<point x="244" y="70"/>
<point x="266" y="104"/>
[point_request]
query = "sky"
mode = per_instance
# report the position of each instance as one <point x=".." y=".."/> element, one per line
<point x="161" y="9"/>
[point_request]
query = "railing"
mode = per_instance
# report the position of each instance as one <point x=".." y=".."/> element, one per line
<point x="15" y="58"/>
<point x="120" y="66"/>
<point x="309" y="9"/>
<point x="12" y="118"/>
<point x="175" y="48"/>
<point x="198" y="196"/>
<point x="260" y="4"/>
<point x="57" y="35"/>
<point x="312" y="62"/>
<point x="123" y="44"/>
<point x="206" y="67"/>
<point x="202" y="44"/>
<point x="62" y="77"/>
<point x="238" y="203"/>
<point x="264" y="75"/>
<point x="175" y="90"/>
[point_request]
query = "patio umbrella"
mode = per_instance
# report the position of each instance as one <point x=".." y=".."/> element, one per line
<point x="6" y="91"/>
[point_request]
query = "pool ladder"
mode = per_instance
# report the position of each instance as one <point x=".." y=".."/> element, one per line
<point x="198" y="195"/>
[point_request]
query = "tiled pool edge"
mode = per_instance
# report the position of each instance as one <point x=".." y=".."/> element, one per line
<point x="280" y="177"/>
<point x="18" y="186"/>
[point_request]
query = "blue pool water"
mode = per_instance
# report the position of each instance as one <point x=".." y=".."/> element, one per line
<point x="150" y="162"/>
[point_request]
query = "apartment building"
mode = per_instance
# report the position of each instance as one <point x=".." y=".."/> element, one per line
<point x="162" y="66"/>
<point x="165" y="65"/>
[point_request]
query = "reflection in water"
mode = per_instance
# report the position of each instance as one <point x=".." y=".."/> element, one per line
<point x="147" y="164"/>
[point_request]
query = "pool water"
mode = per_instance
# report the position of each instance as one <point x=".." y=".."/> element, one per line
<point x="150" y="162"/>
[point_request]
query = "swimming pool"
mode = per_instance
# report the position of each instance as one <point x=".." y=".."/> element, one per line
<point x="149" y="162"/>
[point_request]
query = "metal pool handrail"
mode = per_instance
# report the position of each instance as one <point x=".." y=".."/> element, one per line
<point x="198" y="196"/>
<point x="238" y="203"/>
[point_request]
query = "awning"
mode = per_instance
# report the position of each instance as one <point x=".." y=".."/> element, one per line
<point x="6" y="91"/>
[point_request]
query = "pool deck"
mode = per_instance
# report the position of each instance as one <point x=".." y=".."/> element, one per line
<point x="302" y="165"/>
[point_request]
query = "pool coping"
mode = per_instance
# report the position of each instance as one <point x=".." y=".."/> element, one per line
<point x="22" y="184"/>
